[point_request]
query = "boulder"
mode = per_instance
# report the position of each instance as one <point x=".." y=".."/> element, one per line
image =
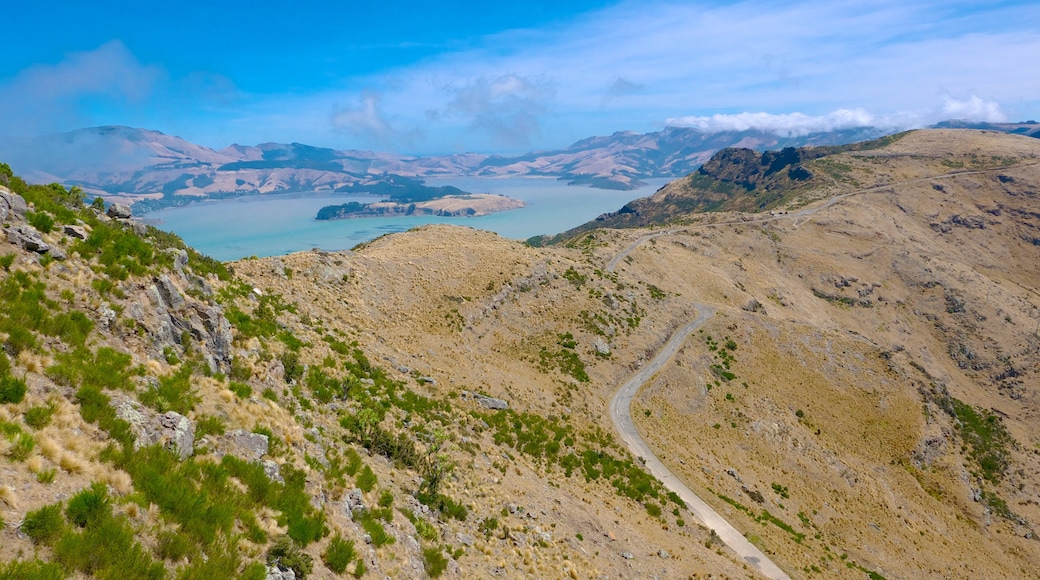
<point x="602" y="348"/>
<point x="171" y="297"/>
<point x="491" y="402"/>
<point x="28" y="238"/>
<point x="272" y="471"/>
<point x="278" y="572"/>
<point x="11" y="205"/>
<point x="171" y="430"/>
<point x="245" y="445"/>
<point x="119" y="211"/>
<point x="177" y="432"/>
<point x="78" y="232"/>
<point x="354" y="504"/>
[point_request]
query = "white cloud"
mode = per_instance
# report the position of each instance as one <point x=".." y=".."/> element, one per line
<point x="366" y="120"/>
<point x="974" y="109"/>
<point x="785" y="125"/>
<point x="48" y="97"/>
<point x="507" y="108"/>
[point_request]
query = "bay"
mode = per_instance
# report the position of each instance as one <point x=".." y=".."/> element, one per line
<point x="278" y="224"/>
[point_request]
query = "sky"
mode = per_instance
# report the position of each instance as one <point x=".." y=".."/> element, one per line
<point x="453" y="77"/>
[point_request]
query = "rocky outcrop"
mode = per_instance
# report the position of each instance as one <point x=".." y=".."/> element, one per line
<point x="28" y="238"/>
<point x="11" y="205"/>
<point x="177" y="317"/>
<point x="119" y="211"/>
<point x="171" y="430"/>
<point x="245" y="445"/>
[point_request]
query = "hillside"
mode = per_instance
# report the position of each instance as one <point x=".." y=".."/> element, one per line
<point x="155" y="170"/>
<point x="858" y="402"/>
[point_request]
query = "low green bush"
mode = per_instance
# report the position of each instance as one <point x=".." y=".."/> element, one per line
<point x="286" y="553"/>
<point x="339" y="554"/>
<point x="45" y="525"/>
<point x="30" y="570"/>
<point x="434" y="561"/>
<point x="12" y="390"/>
<point x="89" y="505"/>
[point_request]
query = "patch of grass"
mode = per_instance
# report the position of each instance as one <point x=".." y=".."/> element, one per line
<point x="241" y="390"/>
<point x="45" y="525"/>
<point x="339" y="554"/>
<point x="174" y="393"/>
<point x="89" y="505"/>
<point x="984" y="433"/>
<point x="210" y="425"/>
<point x="30" y="570"/>
<point x="106" y="368"/>
<point x="39" y="416"/>
<point x="286" y="553"/>
<point x="434" y="561"/>
<point x="12" y="390"/>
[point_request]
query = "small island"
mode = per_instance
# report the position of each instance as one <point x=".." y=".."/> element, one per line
<point x="404" y="196"/>
<point x="465" y="205"/>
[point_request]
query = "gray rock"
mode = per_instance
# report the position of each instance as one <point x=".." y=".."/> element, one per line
<point x="491" y="402"/>
<point x="180" y="259"/>
<point x="138" y="227"/>
<point x="278" y="572"/>
<point x="663" y="554"/>
<point x="119" y="211"/>
<point x="28" y="238"/>
<point x="106" y="316"/>
<point x="354" y="504"/>
<point x="465" y="539"/>
<point x="168" y="293"/>
<point x="272" y="471"/>
<point x="57" y="253"/>
<point x="78" y="232"/>
<point x="11" y="205"/>
<point x="171" y="430"/>
<point x="245" y="445"/>
<point x="178" y="432"/>
<point x="602" y="347"/>
<point x="627" y="555"/>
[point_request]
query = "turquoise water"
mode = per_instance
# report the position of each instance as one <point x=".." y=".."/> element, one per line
<point x="279" y="224"/>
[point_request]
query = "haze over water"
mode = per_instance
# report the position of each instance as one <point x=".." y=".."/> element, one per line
<point x="283" y="223"/>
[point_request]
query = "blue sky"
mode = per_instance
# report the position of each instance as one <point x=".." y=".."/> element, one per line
<point x="444" y="77"/>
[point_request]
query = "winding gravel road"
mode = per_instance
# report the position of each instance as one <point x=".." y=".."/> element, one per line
<point x="620" y="405"/>
<point x="621" y="414"/>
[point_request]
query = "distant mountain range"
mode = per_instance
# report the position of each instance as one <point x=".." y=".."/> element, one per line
<point x="158" y="170"/>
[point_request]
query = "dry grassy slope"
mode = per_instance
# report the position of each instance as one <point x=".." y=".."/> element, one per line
<point x="884" y="480"/>
<point x="472" y="311"/>
<point x="954" y="297"/>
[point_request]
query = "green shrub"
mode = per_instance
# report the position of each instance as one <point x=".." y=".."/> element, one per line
<point x="360" y="569"/>
<point x="46" y="475"/>
<point x="376" y="531"/>
<point x="174" y="393"/>
<point x="241" y="390"/>
<point x="6" y="261"/>
<point x="286" y="553"/>
<point x="293" y="368"/>
<point x="41" y="221"/>
<point x="45" y="525"/>
<point x="339" y="554"/>
<point x="23" y="446"/>
<point x="30" y="570"/>
<point x="39" y="416"/>
<point x="107" y="548"/>
<point x="89" y="505"/>
<point x="12" y="390"/>
<point x="105" y="369"/>
<point x="434" y="561"/>
<point x="366" y="480"/>
<point x="210" y="425"/>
